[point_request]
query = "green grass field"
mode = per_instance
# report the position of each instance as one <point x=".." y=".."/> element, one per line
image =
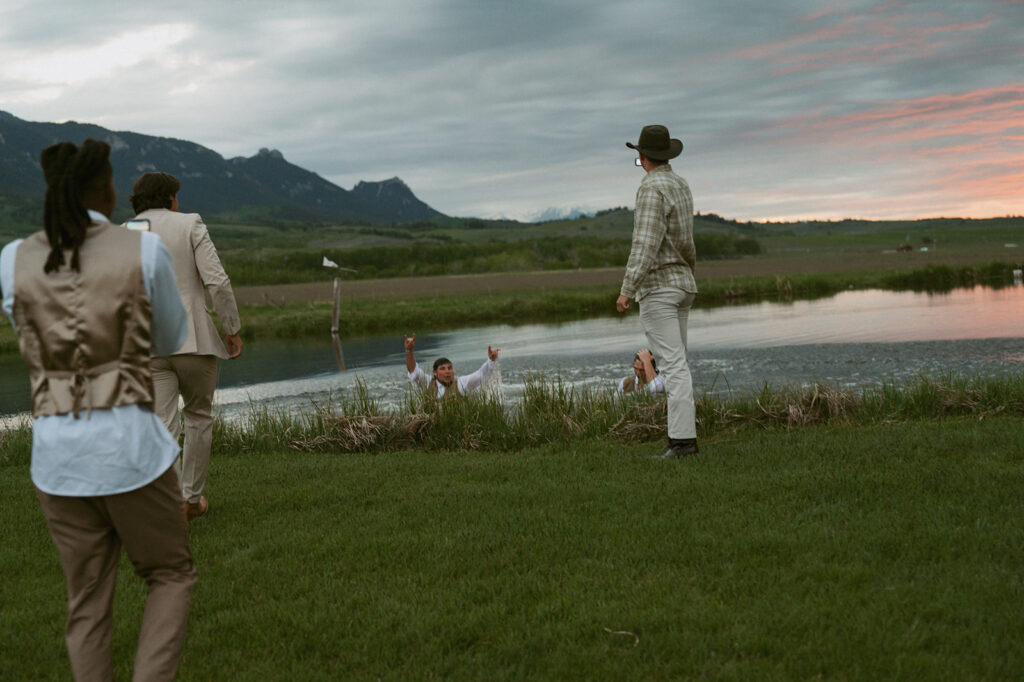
<point x="891" y="551"/>
<point x="802" y="543"/>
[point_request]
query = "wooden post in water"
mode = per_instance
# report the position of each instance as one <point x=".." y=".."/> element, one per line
<point x="338" y="355"/>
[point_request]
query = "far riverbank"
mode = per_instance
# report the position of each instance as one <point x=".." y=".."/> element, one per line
<point x="400" y="305"/>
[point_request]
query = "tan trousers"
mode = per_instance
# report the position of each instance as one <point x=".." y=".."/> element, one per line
<point x="89" y="533"/>
<point x="664" y="314"/>
<point x="194" y="377"/>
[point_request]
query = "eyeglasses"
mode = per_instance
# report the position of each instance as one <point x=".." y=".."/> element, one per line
<point x="636" y="161"/>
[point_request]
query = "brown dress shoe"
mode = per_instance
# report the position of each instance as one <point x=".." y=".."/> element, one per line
<point x="193" y="510"/>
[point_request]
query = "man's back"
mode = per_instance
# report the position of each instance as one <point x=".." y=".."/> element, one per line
<point x="196" y="267"/>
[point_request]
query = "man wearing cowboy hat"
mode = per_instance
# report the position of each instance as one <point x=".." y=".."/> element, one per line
<point x="659" y="275"/>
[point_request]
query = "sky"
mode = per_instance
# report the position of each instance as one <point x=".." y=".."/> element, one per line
<point x="788" y="110"/>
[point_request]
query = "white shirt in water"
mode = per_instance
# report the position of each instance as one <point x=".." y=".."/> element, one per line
<point x="467" y="384"/>
<point x="657" y="384"/>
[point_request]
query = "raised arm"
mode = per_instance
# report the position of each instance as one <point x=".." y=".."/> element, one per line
<point x="472" y="382"/>
<point x="647" y="361"/>
<point x="410" y="357"/>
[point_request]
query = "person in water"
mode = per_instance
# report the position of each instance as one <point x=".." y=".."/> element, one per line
<point x="444" y="384"/>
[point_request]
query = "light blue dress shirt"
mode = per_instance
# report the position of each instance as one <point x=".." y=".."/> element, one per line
<point x="122" y="448"/>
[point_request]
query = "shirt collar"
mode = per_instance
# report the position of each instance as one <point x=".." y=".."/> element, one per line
<point x="98" y="217"/>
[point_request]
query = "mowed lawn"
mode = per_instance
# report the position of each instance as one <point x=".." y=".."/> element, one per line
<point x="852" y="553"/>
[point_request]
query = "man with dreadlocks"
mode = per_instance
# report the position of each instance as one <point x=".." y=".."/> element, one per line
<point x="444" y="384"/>
<point x="91" y="302"/>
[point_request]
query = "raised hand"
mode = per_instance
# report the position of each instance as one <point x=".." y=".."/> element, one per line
<point x="492" y="353"/>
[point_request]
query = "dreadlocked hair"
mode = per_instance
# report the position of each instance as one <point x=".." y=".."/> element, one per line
<point x="73" y="175"/>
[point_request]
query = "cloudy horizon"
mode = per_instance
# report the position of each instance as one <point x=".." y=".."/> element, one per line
<point x="793" y="110"/>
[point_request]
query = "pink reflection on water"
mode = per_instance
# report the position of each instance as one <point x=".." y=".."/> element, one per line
<point x="865" y="316"/>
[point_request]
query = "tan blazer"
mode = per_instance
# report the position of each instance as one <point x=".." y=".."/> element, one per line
<point x="197" y="268"/>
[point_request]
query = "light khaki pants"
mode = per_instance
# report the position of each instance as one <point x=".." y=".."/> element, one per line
<point x="89" y="533"/>
<point x="663" y="315"/>
<point x="194" y="377"/>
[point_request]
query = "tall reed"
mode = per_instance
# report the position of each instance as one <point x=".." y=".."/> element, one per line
<point x="557" y="412"/>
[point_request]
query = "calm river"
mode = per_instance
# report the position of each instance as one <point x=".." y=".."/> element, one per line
<point x="854" y="339"/>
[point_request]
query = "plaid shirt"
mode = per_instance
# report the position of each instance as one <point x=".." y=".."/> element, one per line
<point x="663" y="254"/>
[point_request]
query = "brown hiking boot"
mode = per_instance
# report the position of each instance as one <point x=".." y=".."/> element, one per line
<point x="193" y="510"/>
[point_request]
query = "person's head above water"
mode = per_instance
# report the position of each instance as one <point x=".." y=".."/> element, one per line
<point x="444" y="372"/>
<point x="638" y="366"/>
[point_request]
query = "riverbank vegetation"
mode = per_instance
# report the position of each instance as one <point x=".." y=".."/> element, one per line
<point x="837" y="551"/>
<point x="555" y="412"/>
<point x="433" y="313"/>
<point x="474" y="308"/>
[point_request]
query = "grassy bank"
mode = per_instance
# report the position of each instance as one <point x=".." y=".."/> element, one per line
<point x="889" y="551"/>
<point x="401" y="314"/>
<point x="552" y="413"/>
<point x="434" y="313"/>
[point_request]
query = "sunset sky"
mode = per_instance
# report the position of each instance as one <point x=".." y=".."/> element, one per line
<point x="788" y="109"/>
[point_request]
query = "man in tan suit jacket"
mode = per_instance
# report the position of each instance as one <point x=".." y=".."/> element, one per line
<point x="191" y="372"/>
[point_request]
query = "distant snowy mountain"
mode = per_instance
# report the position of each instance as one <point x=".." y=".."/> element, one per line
<point x="560" y="213"/>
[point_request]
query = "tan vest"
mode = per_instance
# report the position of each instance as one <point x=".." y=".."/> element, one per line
<point x="449" y="391"/>
<point x="85" y="336"/>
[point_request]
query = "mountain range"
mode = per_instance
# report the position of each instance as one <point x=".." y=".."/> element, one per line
<point x="264" y="185"/>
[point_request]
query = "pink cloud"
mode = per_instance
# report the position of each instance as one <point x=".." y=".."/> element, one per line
<point x="983" y="112"/>
<point x="950" y="154"/>
<point x="873" y="37"/>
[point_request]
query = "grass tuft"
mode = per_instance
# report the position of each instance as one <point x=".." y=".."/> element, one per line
<point x="552" y="412"/>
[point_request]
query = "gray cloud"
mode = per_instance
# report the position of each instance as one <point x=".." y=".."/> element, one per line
<point x="510" y="108"/>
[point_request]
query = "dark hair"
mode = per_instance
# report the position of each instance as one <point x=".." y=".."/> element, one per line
<point x="74" y="176"/>
<point x="154" y="190"/>
<point x="441" y="361"/>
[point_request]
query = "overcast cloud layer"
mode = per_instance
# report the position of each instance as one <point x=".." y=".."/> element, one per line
<point x="789" y="109"/>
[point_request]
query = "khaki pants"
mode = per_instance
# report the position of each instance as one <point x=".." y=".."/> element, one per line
<point x="663" y="315"/>
<point x="194" y="377"/>
<point x="89" y="533"/>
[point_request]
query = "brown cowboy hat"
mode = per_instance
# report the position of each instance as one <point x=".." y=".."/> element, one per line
<point x="655" y="144"/>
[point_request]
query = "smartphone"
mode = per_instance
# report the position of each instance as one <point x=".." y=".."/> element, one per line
<point x="140" y="224"/>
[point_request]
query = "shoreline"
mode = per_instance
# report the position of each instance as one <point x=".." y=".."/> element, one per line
<point x="292" y="311"/>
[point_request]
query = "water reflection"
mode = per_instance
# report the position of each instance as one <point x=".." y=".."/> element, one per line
<point x="853" y="339"/>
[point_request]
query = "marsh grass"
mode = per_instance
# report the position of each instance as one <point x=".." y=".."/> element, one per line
<point x="554" y="412"/>
<point x="551" y="412"/>
<point x="15" y="441"/>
